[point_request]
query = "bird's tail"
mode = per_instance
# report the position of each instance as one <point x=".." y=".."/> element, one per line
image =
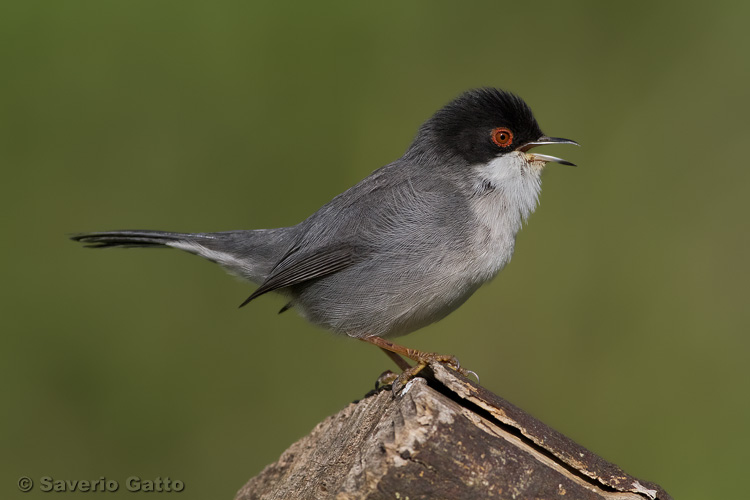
<point x="249" y="254"/>
<point x="131" y="239"/>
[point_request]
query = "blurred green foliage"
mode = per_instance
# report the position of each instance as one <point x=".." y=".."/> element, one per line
<point x="622" y="321"/>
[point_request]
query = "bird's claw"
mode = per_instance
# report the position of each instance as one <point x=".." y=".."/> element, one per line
<point x="469" y="372"/>
<point x="385" y="378"/>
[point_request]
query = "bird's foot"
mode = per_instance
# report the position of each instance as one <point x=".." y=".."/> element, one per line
<point x="395" y="351"/>
<point x="425" y="358"/>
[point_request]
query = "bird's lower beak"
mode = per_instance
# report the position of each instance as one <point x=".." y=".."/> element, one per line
<point x="546" y="158"/>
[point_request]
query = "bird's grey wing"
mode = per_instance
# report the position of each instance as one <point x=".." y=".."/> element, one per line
<point x="297" y="267"/>
<point x="348" y="229"/>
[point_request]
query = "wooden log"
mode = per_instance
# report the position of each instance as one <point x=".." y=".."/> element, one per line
<point x="440" y="436"/>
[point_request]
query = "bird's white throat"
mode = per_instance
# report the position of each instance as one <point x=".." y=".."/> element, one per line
<point x="510" y="187"/>
<point x="515" y="184"/>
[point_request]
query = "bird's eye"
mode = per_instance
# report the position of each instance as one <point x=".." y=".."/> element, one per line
<point x="502" y="136"/>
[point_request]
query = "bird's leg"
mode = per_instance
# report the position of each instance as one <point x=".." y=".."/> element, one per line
<point x="395" y="351"/>
<point x="400" y="362"/>
<point x="388" y="377"/>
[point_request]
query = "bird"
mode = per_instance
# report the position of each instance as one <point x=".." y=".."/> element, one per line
<point x="405" y="246"/>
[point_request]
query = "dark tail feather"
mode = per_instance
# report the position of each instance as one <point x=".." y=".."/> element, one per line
<point x="128" y="238"/>
<point x="250" y="254"/>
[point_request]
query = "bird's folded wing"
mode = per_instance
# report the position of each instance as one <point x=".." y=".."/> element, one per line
<point x="297" y="268"/>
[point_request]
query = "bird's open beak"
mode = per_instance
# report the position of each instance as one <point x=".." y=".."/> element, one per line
<point x="546" y="158"/>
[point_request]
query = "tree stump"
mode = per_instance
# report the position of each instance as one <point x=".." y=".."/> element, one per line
<point x="441" y="436"/>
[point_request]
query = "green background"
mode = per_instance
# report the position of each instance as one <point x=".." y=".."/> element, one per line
<point x="622" y="320"/>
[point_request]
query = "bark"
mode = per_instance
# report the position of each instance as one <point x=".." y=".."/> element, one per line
<point x="440" y="436"/>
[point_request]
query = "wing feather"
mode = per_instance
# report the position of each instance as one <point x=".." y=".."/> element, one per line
<point x="297" y="268"/>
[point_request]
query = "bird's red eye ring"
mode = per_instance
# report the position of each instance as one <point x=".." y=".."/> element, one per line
<point x="502" y="136"/>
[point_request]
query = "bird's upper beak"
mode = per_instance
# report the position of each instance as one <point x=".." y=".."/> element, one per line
<point x="546" y="158"/>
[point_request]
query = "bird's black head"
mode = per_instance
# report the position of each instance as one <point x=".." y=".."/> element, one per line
<point x="478" y="126"/>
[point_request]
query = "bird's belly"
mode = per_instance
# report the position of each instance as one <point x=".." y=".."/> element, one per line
<point x="384" y="307"/>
